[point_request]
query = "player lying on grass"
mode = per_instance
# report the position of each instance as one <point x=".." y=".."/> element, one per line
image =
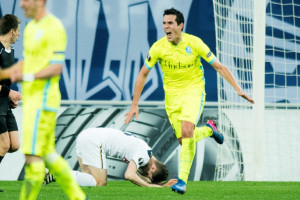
<point x="94" y="144"/>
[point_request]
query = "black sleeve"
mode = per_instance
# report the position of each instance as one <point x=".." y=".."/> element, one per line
<point x="4" y="91"/>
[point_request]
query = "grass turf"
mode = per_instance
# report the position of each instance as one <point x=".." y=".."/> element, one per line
<point x="196" y="190"/>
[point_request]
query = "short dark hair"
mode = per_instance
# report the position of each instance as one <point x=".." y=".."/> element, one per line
<point x="161" y="173"/>
<point x="8" y="22"/>
<point x="179" y="16"/>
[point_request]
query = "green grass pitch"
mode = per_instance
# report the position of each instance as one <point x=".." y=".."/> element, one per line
<point x="196" y="190"/>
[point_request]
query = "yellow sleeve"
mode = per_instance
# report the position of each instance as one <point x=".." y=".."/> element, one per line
<point x="205" y="52"/>
<point x="152" y="57"/>
<point x="58" y="45"/>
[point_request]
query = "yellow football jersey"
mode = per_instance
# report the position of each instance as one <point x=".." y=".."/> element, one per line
<point x="44" y="43"/>
<point x="181" y="64"/>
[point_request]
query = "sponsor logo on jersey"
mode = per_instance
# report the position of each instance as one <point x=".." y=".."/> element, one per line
<point x="177" y="65"/>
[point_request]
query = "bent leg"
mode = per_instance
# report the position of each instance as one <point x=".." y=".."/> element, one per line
<point x="202" y="132"/>
<point x="4" y="143"/>
<point x="100" y="175"/>
<point x="92" y="158"/>
<point x="12" y="128"/>
<point x="62" y="172"/>
<point x="4" y="137"/>
<point x="84" y="179"/>
<point x="14" y="141"/>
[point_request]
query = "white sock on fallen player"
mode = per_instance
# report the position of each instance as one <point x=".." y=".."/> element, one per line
<point x="84" y="179"/>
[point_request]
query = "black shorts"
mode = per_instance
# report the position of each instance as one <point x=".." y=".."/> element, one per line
<point x="8" y="122"/>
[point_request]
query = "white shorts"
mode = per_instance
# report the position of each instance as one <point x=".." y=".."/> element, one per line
<point x="91" y="153"/>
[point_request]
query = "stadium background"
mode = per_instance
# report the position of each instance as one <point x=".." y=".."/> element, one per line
<point x="109" y="40"/>
<point x="107" y="44"/>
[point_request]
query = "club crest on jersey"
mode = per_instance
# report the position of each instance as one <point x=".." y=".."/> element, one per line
<point x="38" y="35"/>
<point x="148" y="57"/>
<point x="188" y="49"/>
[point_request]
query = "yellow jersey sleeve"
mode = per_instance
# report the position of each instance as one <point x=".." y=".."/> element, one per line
<point x="152" y="57"/>
<point x="205" y="52"/>
<point x="58" y="43"/>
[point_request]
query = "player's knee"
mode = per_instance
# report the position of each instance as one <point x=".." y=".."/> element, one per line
<point x="101" y="183"/>
<point x="14" y="147"/>
<point x="4" y="147"/>
<point x="187" y="131"/>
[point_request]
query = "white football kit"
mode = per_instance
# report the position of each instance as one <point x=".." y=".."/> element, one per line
<point x="94" y="144"/>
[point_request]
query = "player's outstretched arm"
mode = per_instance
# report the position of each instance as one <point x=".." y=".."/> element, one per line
<point x="225" y="73"/>
<point x="169" y="183"/>
<point x="48" y="72"/>
<point x="131" y="174"/>
<point x="138" y="88"/>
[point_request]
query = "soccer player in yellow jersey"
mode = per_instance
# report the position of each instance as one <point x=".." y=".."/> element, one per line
<point x="179" y="56"/>
<point x="45" y="42"/>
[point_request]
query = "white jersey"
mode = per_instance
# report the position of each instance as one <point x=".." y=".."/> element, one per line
<point x="112" y="142"/>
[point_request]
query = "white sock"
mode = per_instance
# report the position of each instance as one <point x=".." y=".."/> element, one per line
<point x="84" y="179"/>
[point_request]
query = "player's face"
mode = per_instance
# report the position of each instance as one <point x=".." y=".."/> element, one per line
<point x="29" y="7"/>
<point x="151" y="170"/>
<point x="15" y="35"/>
<point x="172" y="29"/>
<point x="149" y="175"/>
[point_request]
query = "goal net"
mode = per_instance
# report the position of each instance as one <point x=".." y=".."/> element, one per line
<point x="259" y="42"/>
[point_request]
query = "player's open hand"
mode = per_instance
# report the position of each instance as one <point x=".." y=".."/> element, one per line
<point x="170" y="183"/>
<point x="134" y="110"/>
<point x="245" y="96"/>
